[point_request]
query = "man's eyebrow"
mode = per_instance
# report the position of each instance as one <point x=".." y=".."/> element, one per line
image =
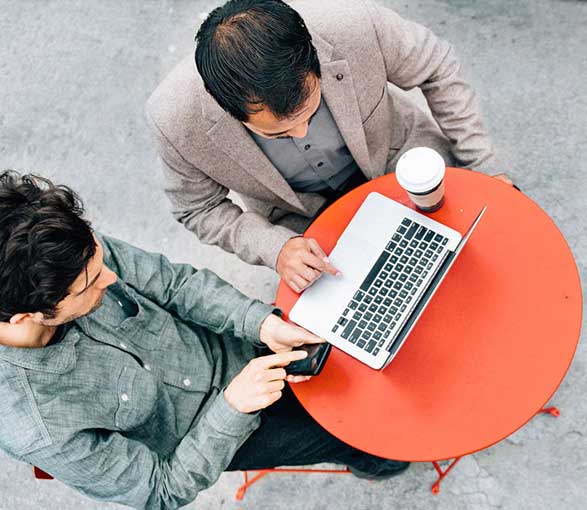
<point x="88" y="285"/>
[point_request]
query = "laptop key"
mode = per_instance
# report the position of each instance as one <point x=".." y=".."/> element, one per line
<point x="349" y="328"/>
<point x="377" y="318"/>
<point x="420" y="233"/>
<point x="359" y="295"/>
<point x="388" y="318"/>
<point x="391" y="245"/>
<point x="429" y="266"/>
<point x="444" y="240"/>
<point x="371" y="326"/>
<point x="396" y="237"/>
<point x="345" y="312"/>
<point x="392" y="293"/>
<point x="408" y="270"/>
<point x="353" y="305"/>
<point x="434" y="257"/>
<point x="355" y="335"/>
<point x="433" y="246"/>
<point x="406" y="222"/>
<point x="382" y="327"/>
<point x="342" y="321"/>
<point x="429" y="235"/>
<point x="378" y="300"/>
<point x="374" y="270"/>
<point x="438" y="238"/>
<point x="403" y="243"/>
<point x="412" y="230"/>
<point x="424" y="274"/>
<point x="403" y="294"/>
<point x="398" y="302"/>
<point x="387" y="333"/>
<point x="362" y="307"/>
<point x="439" y="250"/>
<point x="401" y="229"/>
<point x="361" y="343"/>
<point x="414" y="276"/>
<point x="381" y="342"/>
<point x="373" y="308"/>
<point x="403" y="259"/>
<point x="389" y="267"/>
<point x="409" y="299"/>
<point x="367" y="299"/>
<point x="357" y="316"/>
<point x="414" y="244"/>
<point x="335" y="328"/>
<point x="371" y="345"/>
<point x="399" y="268"/>
<point x="423" y="245"/>
<point x="388" y="283"/>
<point x="362" y="324"/>
<point x="378" y="283"/>
<point x="387" y="301"/>
<point x="384" y="291"/>
<point x="382" y="310"/>
<point x="403" y="277"/>
<point x="375" y="351"/>
<point x="397" y="285"/>
<point x="368" y="316"/>
<point x="403" y="308"/>
<point x="393" y="310"/>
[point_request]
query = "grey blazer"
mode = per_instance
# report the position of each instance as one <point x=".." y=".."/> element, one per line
<point x="362" y="48"/>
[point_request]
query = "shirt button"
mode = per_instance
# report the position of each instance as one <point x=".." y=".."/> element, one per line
<point x="187" y="382"/>
<point x="339" y="76"/>
<point x="147" y="367"/>
<point x="122" y="345"/>
<point x="307" y="147"/>
<point x="320" y="164"/>
<point x="124" y="397"/>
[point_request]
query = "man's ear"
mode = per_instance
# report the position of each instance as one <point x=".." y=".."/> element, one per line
<point x="19" y="318"/>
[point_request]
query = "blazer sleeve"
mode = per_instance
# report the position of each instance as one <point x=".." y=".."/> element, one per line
<point x="415" y="57"/>
<point x="201" y="205"/>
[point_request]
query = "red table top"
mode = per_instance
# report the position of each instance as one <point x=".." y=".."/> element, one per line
<point x="488" y="352"/>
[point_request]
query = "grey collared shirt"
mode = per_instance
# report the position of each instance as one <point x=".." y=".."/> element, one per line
<point x="319" y="161"/>
<point x="128" y="406"/>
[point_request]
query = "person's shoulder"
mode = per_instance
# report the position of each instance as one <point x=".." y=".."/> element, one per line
<point x="342" y="23"/>
<point x="177" y="101"/>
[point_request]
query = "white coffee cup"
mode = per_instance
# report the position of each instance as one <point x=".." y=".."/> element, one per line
<point x="420" y="171"/>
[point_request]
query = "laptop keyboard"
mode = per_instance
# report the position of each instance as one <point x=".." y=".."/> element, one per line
<point x="382" y="301"/>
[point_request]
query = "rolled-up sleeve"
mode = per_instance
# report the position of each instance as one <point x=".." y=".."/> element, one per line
<point x="108" y="466"/>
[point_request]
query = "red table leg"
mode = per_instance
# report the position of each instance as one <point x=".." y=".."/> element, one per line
<point x="553" y="411"/>
<point x="441" y="474"/>
<point x="240" y="493"/>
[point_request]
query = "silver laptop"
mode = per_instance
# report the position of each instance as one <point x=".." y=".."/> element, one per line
<point x="392" y="260"/>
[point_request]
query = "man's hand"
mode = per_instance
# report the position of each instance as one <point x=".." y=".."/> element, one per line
<point x="259" y="384"/>
<point x="301" y="261"/>
<point x="504" y="178"/>
<point x="281" y="336"/>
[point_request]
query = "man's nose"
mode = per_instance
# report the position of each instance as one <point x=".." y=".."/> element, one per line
<point x="299" y="131"/>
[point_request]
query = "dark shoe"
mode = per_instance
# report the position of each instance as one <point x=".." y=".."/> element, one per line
<point x="378" y="469"/>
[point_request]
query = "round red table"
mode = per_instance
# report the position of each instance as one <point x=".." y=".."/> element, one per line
<point x="486" y="355"/>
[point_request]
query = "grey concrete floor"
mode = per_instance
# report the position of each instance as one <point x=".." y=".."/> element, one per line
<point x="74" y="76"/>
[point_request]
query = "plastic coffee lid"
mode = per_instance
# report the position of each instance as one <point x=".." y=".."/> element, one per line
<point x="420" y="169"/>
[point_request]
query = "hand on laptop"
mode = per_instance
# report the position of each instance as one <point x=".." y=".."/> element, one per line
<point x="301" y="262"/>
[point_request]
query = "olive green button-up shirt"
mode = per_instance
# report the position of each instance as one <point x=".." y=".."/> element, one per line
<point x="129" y="407"/>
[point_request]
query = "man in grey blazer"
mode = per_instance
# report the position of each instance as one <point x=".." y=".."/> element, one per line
<point x="292" y="106"/>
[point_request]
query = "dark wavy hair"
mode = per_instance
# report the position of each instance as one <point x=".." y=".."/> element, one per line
<point x="256" y="52"/>
<point x="45" y="244"/>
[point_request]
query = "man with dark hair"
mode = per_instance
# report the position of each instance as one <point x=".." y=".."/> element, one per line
<point x="135" y="380"/>
<point x="291" y="107"/>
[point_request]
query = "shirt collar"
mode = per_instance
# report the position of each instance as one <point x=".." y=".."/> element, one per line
<point x="57" y="359"/>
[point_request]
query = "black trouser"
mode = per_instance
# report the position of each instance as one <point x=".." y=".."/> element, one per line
<point x="289" y="436"/>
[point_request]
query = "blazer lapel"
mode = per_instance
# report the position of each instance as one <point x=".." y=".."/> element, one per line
<point x="234" y="140"/>
<point x="342" y="101"/>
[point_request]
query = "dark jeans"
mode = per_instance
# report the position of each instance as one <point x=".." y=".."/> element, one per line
<point x="289" y="436"/>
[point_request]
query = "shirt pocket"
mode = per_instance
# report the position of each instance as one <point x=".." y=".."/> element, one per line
<point x="136" y="391"/>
